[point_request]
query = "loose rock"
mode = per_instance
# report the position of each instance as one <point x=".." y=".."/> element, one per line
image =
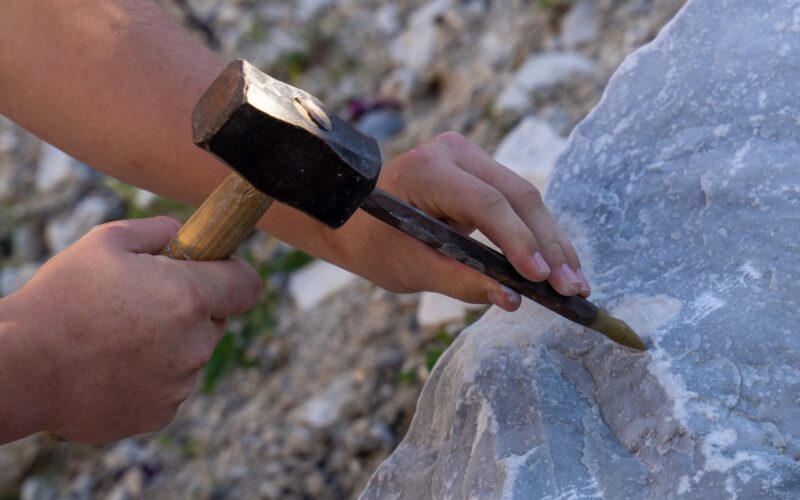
<point x="16" y="458"/>
<point x="316" y="282"/>
<point x="12" y="278"/>
<point x="531" y="150"/>
<point x="68" y="228"/>
<point x="436" y="310"/>
<point x="56" y="169"/>
<point x="581" y="24"/>
<point x="538" y="74"/>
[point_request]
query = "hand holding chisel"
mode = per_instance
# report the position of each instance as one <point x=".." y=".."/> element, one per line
<point x="286" y="145"/>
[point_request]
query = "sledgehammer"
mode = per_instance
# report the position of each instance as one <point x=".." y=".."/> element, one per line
<point x="284" y="144"/>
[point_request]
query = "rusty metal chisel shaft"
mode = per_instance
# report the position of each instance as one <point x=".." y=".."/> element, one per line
<point x="493" y="264"/>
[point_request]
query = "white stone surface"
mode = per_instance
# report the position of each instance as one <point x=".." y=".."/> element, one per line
<point x="315" y="282"/>
<point x="531" y="150"/>
<point x="681" y="191"/>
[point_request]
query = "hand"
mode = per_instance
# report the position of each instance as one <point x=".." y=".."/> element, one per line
<point x="454" y="180"/>
<point x="124" y="332"/>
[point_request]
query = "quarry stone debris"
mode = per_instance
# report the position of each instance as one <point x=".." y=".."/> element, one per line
<point x="682" y="191"/>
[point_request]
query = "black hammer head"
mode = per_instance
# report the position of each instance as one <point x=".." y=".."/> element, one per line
<point x="286" y="143"/>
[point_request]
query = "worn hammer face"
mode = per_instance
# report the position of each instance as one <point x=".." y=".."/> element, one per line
<point x="286" y="143"/>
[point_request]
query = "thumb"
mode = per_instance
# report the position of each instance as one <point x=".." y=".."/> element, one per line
<point x="138" y="235"/>
<point x="231" y="286"/>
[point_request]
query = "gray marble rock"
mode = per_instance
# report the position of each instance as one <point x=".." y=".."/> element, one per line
<point x="681" y="191"/>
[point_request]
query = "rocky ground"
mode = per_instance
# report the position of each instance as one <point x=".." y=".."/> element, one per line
<point x="325" y="378"/>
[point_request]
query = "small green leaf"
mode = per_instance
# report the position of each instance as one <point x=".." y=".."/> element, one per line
<point x="222" y="360"/>
<point x="290" y="262"/>
<point x="407" y="376"/>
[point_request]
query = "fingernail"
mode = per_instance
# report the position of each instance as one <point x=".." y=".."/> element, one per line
<point x="504" y="297"/>
<point x="540" y="263"/>
<point x="585" y="287"/>
<point x="570" y="275"/>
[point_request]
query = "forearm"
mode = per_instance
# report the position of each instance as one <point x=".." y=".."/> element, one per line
<point x="23" y="374"/>
<point x="113" y="83"/>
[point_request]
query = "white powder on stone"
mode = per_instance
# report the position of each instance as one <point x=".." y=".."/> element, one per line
<point x="649" y="316"/>
<point x="703" y="306"/>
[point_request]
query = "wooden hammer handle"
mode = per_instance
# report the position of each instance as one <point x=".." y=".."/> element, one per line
<point x="217" y="228"/>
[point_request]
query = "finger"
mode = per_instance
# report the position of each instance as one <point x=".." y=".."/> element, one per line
<point x="527" y="202"/>
<point x="197" y="350"/>
<point x="468" y="285"/>
<point x="472" y="202"/>
<point x="229" y="286"/>
<point x="138" y="235"/>
<point x="574" y="262"/>
<point x="461" y="228"/>
<point x="184" y="389"/>
<point x="564" y="278"/>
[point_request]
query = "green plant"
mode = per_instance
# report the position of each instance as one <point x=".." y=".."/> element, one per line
<point x="257" y="31"/>
<point x="408" y="377"/>
<point x="286" y="263"/>
<point x="473" y="315"/>
<point x="436" y="347"/>
<point x="552" y="4"/>
<point x="187" y="447"/>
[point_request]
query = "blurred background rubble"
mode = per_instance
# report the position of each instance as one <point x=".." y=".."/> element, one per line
<point x="307" y="393"/>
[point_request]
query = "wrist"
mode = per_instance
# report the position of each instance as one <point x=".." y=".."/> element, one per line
<point x="307" y="234"/>
<point x="27" y="373"/>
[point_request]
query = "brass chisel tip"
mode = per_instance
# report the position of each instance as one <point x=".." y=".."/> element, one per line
<point x="617" y="330"/>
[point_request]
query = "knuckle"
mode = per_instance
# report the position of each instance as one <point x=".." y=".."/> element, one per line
<point x="468" y="290"/>
<point x="168" y="221"/>
<point x="161" y="419"/>
<point x="529" y="195"/>
<point x="199" y="358"/>
<point x="152" y="424"/>
<point x="453" y="139"/>
<point x="109" y="229"/>
<point x="570" y="253"/>
<point x="255" y="285"/>
<point x="186" y="390"/>
<point x="409" y="165"/>
<point x="416" y="158"/>
<point x="181" y="392"/>
<point x="551" y="248"/>
<point x="491" y="199"/>
<point x="196" y="303"/>
<point x="461" y="290"/>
